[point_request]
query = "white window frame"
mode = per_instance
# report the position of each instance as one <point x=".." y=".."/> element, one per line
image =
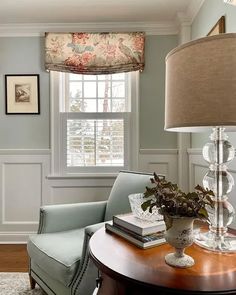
<point x="58" y="132"/>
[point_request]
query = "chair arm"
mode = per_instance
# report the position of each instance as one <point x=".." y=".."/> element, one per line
<point x="84" y="281"/>
<point x="54" y="218"/>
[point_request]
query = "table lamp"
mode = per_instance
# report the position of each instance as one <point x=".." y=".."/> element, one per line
<point x="201" y="96"/>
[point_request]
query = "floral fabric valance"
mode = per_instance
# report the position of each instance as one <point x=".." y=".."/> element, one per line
<point x="94" y="53"/>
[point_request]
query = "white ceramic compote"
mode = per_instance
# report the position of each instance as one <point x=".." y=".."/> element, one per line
<point x="180" y="236"/>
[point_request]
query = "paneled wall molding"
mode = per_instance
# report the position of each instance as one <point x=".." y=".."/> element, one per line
<point x="25" y="151"/>
<point x="158" y="151"/>
<point x="24" y="188"/>
<point x="198" y="167"/>
<point x="37" y="29"/>
<point x="26" y="184"/>
<point x="184" y="139"/>
<point x="195" y="151"/>
<point x="83" y="176"/>
<point x="162" y="161"/>
<point x="77" y="190"/>
<point x="16" y="237"/>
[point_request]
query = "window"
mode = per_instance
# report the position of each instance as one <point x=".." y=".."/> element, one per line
<point x="93" y="113"/>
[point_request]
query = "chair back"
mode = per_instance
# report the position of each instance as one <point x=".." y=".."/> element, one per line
<point x="126" y="183"/>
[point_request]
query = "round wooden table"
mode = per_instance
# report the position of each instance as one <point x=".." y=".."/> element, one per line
<point x="128" y="270"/>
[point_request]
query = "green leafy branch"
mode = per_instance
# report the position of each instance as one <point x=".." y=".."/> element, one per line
<point x="172" y="201"/>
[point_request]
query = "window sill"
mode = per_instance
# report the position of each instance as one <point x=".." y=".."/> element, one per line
<point x="82" y="175"/>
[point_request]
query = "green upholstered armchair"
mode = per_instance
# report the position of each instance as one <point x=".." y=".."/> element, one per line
<point x="59" y="260"/>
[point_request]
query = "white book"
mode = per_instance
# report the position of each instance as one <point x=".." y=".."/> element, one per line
<point x="145" y="244"/>
<point x="137" y="225"/>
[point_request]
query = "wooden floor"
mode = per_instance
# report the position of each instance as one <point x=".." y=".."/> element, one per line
<point x="13" y="258"/>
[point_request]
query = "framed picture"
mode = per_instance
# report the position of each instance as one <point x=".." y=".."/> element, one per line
<point x="218" y="28"/>
<point x="22" y="94"/>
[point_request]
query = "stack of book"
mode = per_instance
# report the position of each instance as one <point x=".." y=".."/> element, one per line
<point x="144" y="234"/>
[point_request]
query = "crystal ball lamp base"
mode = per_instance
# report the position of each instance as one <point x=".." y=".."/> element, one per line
<point x="217" y="153"/>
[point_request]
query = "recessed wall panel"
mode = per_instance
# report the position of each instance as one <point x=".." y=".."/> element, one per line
<point x="21" y="190"/>
<point x="63" y="195"/>
<point x="159" y="168"/>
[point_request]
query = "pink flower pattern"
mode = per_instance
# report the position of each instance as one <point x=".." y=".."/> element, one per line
<point x="138" y="43"/>
<point x="80" y="37"/>
<point x="95" y="53"/>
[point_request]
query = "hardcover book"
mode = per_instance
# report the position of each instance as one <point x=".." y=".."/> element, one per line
<point x="139" y="226"/>
<point x="140" y="237"/>
<point x="143" y="242"/>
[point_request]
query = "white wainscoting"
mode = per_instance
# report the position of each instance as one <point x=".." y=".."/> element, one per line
<point x="161" y="161"/>
<point x="24" y="189"/>
<point x="198" y="168"/>
<point x="26" y="185"/>
<point x="79" y="189"/>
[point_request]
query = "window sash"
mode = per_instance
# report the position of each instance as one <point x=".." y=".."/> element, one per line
<point x="64" y="107"/>
<point x="94" y="116"/>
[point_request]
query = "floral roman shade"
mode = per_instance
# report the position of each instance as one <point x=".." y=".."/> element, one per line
<point x="94" y="53"/>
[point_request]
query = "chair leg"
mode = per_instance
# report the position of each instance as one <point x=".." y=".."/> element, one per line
<point x="32" y="282"/>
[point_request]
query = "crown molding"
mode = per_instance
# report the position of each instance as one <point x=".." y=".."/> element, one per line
<point x="38" y="29"/>
<point x="183" y="19"/>
<point x="193" y="9"/>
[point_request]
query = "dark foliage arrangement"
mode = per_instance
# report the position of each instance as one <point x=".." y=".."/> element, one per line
<point x="171" y="201"/>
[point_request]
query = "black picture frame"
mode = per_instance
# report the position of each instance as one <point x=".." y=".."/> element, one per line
<point x="22" y="94"/>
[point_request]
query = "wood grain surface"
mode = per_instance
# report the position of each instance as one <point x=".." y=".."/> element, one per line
<point x="13" y="258"/>
<point x="120" y="260"/>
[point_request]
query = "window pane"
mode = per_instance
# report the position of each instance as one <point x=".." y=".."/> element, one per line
<point x="107" y="133"/>
<point x="90" y="77"/>
<point x="104" y="105"/>
<point x="118" y="105"/>
<point x="90" y="89"/>
<point x="75" y="77"/>
<point x="80" y="143"/>
<point x="90" y="105"/>
<point x="118" y="89"/>
<point x="104" y="89"/>
<point x="77" y="105"/>
<point x="120" y="76"/>
<point x="75" y="89"/>
<point x="95" y="143"/>
<point x="104" y="77"/>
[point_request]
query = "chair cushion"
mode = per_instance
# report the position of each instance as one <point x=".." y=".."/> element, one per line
<point x="58" y="254"/>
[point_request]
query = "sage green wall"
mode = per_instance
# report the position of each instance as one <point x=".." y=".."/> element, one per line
<point x="24" y="55"/>
<point x="152" y="95"/>
<point x="208" y="15"/>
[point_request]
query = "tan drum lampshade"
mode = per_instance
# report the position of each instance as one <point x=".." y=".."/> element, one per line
<point x="201" y="84"/>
